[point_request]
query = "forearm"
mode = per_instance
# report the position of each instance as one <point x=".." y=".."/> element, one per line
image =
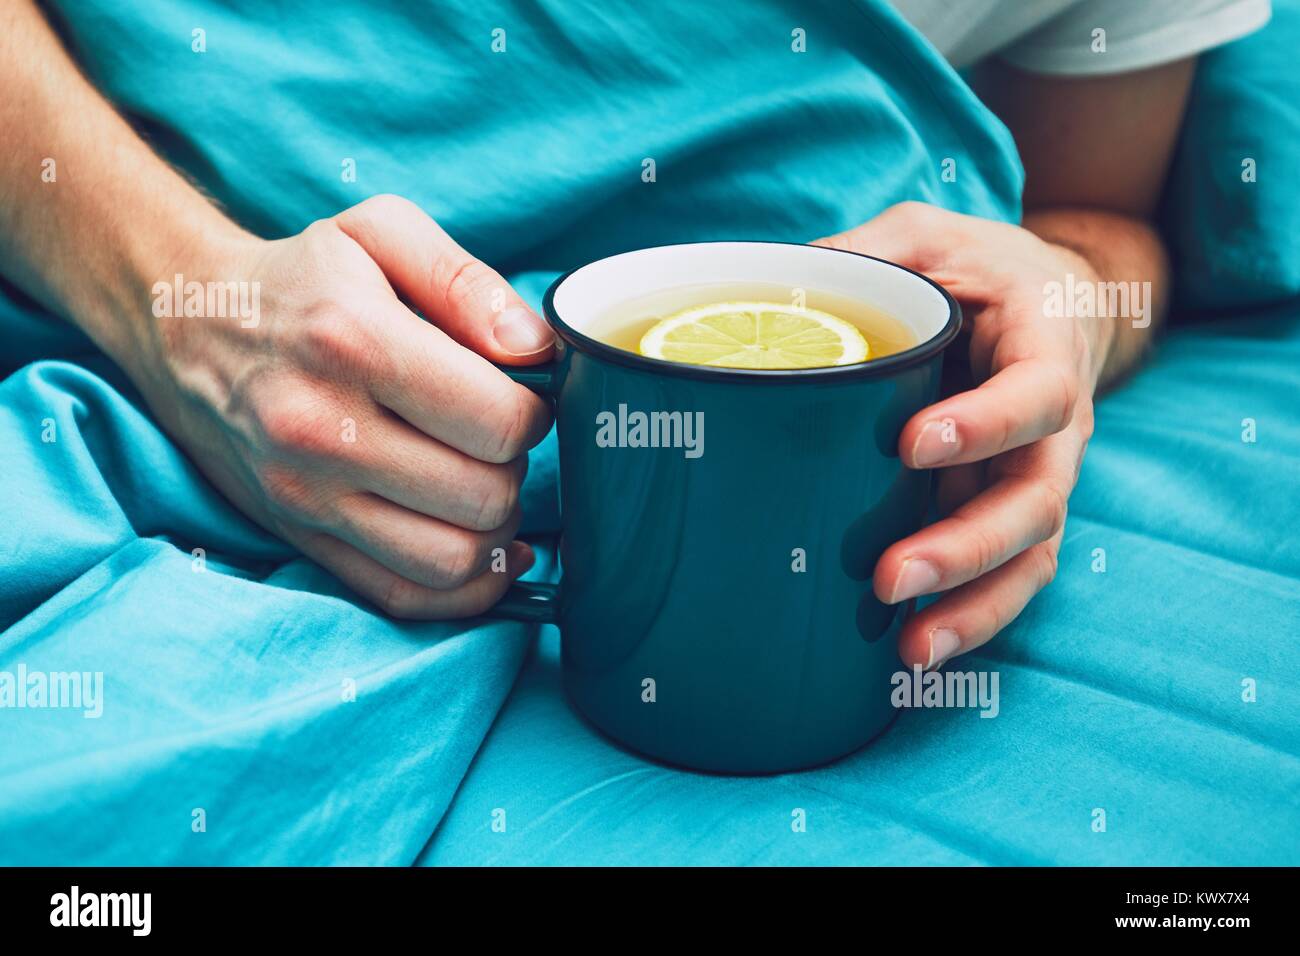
<point x="90" y="217"/>
<point x="1121" y="249"/>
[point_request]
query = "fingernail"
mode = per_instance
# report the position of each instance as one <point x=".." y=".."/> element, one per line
<point x="521" y="332"/>
<point x="931" y="448"/>
<point x="944" y="642"/>
<point x="917" y="577"/>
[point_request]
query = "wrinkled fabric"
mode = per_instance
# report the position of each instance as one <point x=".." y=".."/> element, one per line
<point x="1149" y="713"/>
<point x="252" y="711"/>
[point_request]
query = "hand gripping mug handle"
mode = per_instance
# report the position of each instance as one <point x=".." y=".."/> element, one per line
<point x="532" y="601"/>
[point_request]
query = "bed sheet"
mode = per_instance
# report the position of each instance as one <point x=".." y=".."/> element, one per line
<point x="1149" y="713"/>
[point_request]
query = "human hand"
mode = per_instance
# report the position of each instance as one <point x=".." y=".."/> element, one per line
<point x="1009" y="449"/>
<point x="385" y="447"/>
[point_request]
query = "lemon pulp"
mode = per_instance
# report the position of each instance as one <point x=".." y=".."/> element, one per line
<point x="756" y="335"/>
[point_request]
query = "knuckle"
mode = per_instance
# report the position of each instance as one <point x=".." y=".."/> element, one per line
<point x="986" y="546"/>
<point x="402" y="598"/>
<point x="1067" y="384"/>
<point x="329" y="254"/>
<point x="339" y="343"/>
<point x="322" y="232"/>
<point x="287" y="493"/>
<point x="915" y="214"/>
<point x="327" y="336"/>
<point x="1086" y="419"/>
<point x="329" y="250"/>
<point x="454" y="562"/>
<point x="997" y="619"/>
<point x="912" y="209"/>
<point x="1083" y="349"/>
<point x="468" y="285"/>
<point x="519" y="420"/>
<point x="1003" y="430"/>
<point x="298" y="428"/>
<point x="382" y="204"/>
<point x="372" y="213"/>
<point x="1046" y="561"/>
<point x="989" y="549"/>
<point x="498" y="495"/>
<point x="1055" y="507"/>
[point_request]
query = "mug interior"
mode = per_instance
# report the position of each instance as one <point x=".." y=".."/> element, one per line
<point x="590" y="292"/>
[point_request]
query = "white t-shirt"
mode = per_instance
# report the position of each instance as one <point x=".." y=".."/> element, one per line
<point x="1059" y="36"/>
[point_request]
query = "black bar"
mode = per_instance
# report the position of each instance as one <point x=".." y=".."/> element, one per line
<point x="208" y="905"/>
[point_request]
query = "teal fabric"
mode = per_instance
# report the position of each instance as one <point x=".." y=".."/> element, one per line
<point x="533" y="158"/>
<point x="226" y="680"/>
<point x="251" y="710"/>
<point x="1235" y="232"/>
<point x="1121" y="690"/>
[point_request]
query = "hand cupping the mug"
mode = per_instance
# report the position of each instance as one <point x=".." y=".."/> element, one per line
<point x="1008" y="450"/>
<point x="386" y="447"/>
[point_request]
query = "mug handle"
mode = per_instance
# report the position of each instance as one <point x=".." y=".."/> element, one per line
<point x="532" y="601"/>
<point x="541" y="379"/>
<point x="535" y="602"/>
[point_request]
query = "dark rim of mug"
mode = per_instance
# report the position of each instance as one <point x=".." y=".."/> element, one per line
<point x="872" y="368"/>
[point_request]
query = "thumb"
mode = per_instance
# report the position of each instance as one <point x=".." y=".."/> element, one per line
<point x="911" y="234"/>
<point x="464" y="297"/>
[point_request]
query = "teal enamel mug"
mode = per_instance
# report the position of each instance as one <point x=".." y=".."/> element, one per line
<point x="715" y="603"/>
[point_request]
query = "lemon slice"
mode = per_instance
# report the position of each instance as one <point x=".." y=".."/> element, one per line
<point x="754" y="335"/>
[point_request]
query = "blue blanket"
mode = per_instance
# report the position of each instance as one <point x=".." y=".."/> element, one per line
<point x="1149" y="713"/>
<point x="232" y="702"/>
<point x="248" y="710"/>
<point x="219" y="700"/>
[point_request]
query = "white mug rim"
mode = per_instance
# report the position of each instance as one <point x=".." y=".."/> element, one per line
<point x="918" y="354"/>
